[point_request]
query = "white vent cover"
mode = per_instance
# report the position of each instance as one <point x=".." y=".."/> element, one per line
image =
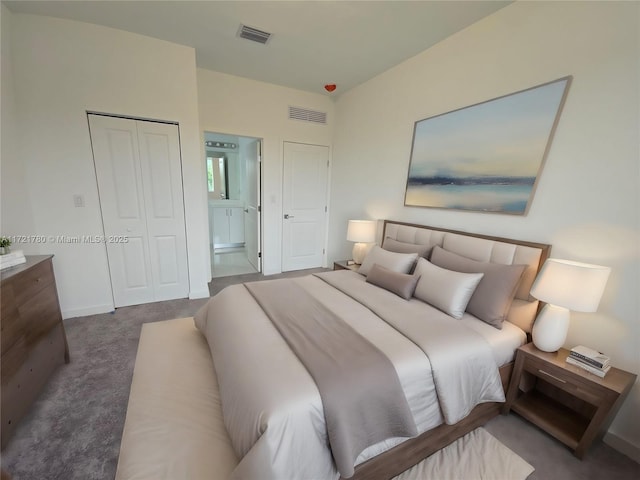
<point x="253" y="34"/>
<point x="306" y="115"/>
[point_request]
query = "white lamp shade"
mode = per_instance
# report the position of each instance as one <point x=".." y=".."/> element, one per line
<point x="573" y="285"/>
<point x="363" y="231"/>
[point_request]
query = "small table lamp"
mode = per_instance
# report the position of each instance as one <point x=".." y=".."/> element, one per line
<point x="564" y="285"/>
<point x="363" y="232"/>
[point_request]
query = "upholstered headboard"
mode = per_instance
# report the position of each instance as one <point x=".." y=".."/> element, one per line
<point x="483" y="248"/>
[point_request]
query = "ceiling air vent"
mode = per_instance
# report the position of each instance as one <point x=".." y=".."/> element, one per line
<point x="253" y="34"/>
<point x="306" y="115"/>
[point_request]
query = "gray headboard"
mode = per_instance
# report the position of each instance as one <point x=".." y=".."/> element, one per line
<point x="483" y="248"/>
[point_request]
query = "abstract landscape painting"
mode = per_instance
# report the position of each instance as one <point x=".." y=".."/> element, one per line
<point x="486" y="157"/>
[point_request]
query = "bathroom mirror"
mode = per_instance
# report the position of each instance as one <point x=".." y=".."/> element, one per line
<point x="224" y="167"/>
<point x="217" y="176"/>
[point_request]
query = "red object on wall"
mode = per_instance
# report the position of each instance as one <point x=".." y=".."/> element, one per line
<point x="330" y="87"/>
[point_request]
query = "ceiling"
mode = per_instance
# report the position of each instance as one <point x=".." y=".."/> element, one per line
<point x="313" y="43"/>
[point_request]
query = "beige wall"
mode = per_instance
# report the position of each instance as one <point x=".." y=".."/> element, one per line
<point x="61" y="69"/>
<point x="239" y="106"/>
<point x="586" y="203"/>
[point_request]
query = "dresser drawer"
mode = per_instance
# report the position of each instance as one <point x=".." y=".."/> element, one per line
<point x="29" y="283"/>
<point x="11" y="327"/>
<point x="13" y="358"/>
<point x="40" y="314"/>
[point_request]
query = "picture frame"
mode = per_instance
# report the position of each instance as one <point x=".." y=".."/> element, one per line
<point x="486" y="157"/>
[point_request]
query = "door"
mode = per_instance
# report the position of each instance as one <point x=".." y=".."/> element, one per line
<point x="304" y="205"/>
<point x="252" y="212"/>
<point x="139" y="175"/>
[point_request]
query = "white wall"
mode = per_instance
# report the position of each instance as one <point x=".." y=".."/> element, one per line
<point x="586" y="204"/>
<point x="239" y="106"/>
<point x="17" y="210"/>
<point x="61" y="69"/>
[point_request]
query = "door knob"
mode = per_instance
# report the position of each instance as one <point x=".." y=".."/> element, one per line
<point x="286" y="216"/>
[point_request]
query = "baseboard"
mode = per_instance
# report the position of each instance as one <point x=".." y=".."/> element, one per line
<point x="623" y="446"/>
<point x="82" y="312"/>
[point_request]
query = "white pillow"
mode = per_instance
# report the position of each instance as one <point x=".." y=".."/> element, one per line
<point x="398" y="262"/>
<point x="446" y="290"/>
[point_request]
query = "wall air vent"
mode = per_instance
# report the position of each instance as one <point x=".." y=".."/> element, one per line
<point x="253" y="34"/>
<point x="306" y="115"/>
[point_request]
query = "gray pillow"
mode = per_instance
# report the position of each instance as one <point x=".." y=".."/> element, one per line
<point x="398" y="262"/>
<point x="446" y="290"/>
<point x="402" y="247"/>
<point x="492" y="299"/>
<point x="401" y="284"/>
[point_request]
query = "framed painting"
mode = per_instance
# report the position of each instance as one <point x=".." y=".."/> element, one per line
<point x="486" y="157"/>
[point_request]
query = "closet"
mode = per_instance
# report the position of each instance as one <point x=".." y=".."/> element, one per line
<point x="139" y="175"/>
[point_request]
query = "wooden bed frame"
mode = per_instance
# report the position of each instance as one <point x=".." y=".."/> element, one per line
<point x="402" y="457"/>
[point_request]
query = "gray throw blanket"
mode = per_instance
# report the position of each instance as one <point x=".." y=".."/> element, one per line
<point x="346" y="367"/>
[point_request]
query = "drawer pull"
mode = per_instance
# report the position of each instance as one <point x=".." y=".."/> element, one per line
<point x="552" y="376"/>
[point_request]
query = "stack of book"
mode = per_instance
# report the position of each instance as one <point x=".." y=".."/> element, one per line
<point x="589" y="359"/>
<point x="12" y="259"/>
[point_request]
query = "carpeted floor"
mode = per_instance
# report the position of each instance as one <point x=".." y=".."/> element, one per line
<point x="73" y="430"/>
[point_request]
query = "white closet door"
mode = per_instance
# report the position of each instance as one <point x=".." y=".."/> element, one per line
<point x="138" y="170"/>
<point x="164" y="205"/>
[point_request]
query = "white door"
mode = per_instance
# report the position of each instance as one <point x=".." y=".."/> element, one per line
<point x="304" y="205"/>
<point x="164" y="206"/>
<point x="252" y="212"/>
<point x="138" y="170"/>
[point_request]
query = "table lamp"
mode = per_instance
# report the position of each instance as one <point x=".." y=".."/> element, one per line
<point x="564" y="285"/>
<point x="363" y="232"/>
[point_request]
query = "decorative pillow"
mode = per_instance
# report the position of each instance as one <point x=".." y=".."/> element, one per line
<point x="446" y="290"/>
<point x="401" y="284"/>
<point x="492" y="299"/>
<point x="398" y="262"/>
<point x="402" y="247"/>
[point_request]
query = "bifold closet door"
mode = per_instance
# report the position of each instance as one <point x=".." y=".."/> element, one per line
<point x="139" y="174"/>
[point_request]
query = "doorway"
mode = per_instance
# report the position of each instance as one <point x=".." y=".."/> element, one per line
<point x="233" y="203"/>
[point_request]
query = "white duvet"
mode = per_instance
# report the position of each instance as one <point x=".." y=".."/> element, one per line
<point x="271" y="406"/>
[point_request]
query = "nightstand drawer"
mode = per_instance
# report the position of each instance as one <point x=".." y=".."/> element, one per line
<point x="563" y="380"/>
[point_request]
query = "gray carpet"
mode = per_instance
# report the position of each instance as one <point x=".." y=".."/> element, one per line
<point x="73" y="430"/>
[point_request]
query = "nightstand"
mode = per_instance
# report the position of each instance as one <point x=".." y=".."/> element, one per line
<point x="569" y="403"/>
<point x="342" y="265"/>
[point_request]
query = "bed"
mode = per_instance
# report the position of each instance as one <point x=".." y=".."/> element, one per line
<point x="282" y="416"/>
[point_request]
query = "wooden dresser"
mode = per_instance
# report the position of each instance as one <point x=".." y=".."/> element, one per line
<point x="32" y="335"/>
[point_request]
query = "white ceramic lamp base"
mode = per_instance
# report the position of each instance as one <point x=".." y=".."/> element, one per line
<point x="550" y="328"/>
<point x="360" y="251"/>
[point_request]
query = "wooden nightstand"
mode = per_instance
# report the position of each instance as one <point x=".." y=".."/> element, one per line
<point x="342" y="265"/>
<point x="569" y="403"/>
